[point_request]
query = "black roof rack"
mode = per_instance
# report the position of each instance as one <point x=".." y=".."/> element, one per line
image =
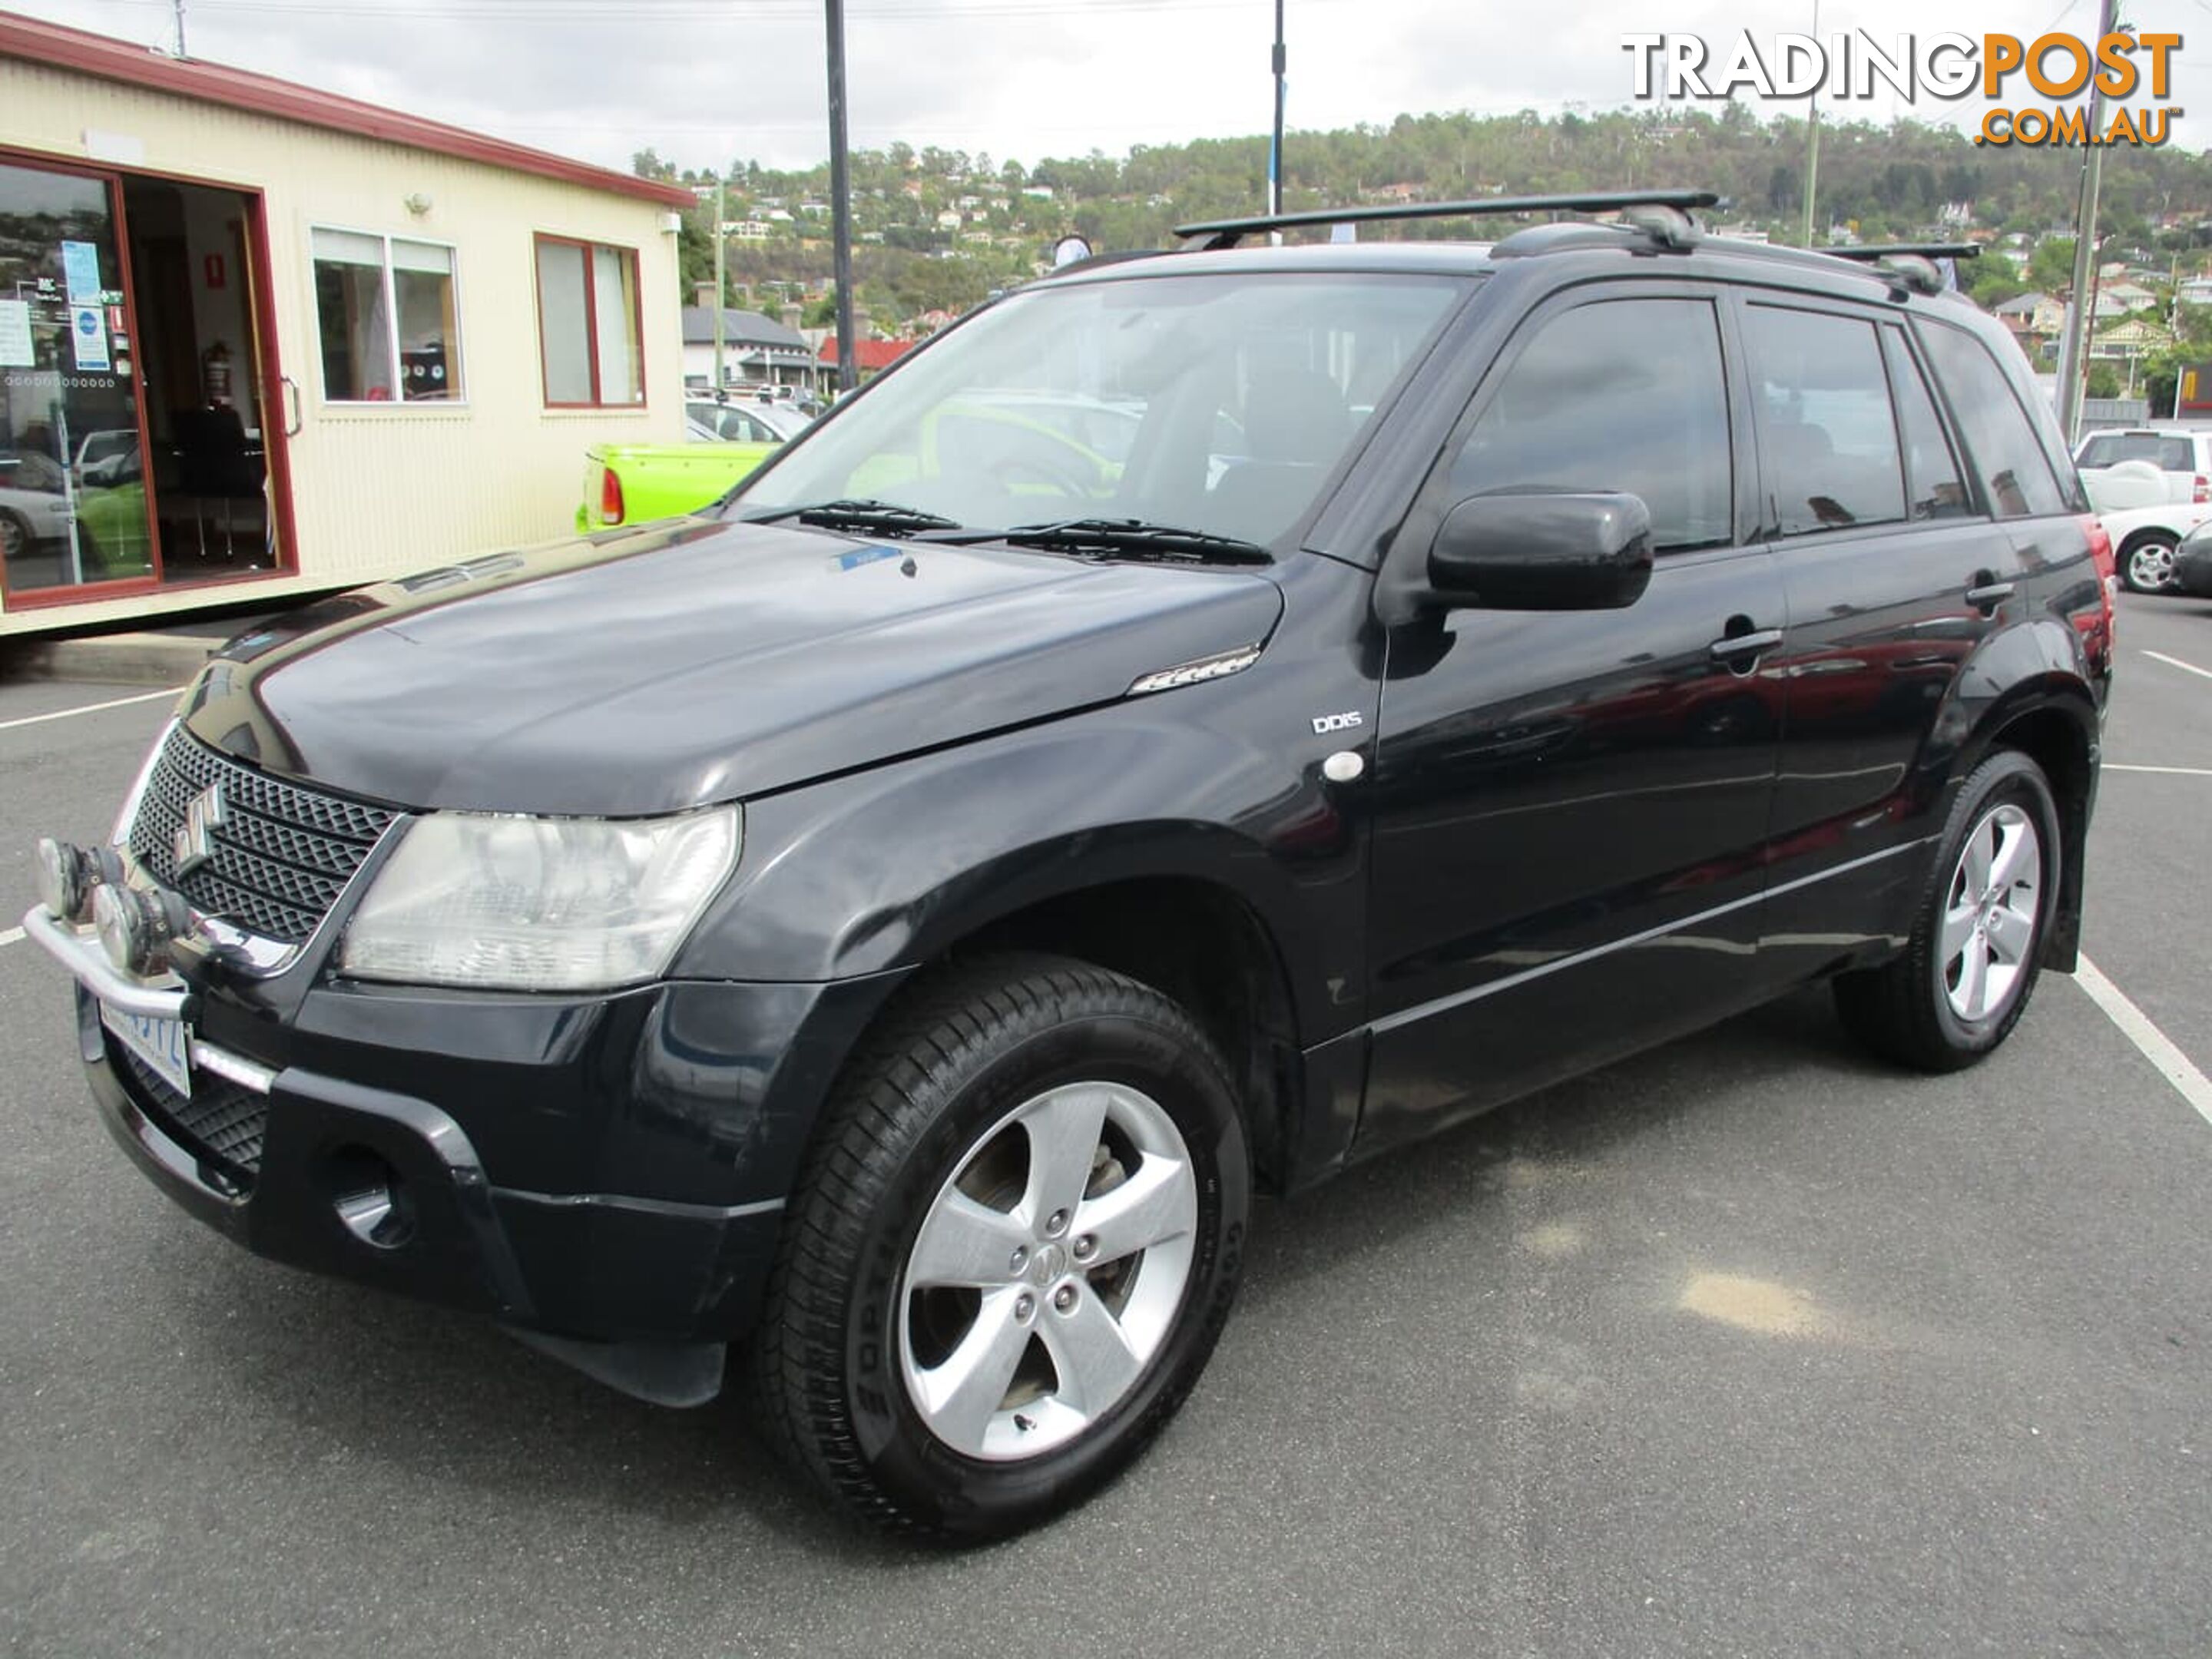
<point x="1900" y="250"/>
<point x="1226" y="233"/>
<point x="1910" y="264"/>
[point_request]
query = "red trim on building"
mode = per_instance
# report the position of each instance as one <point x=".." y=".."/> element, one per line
<point x="873" y="354"/>
<point x="50" y="45"/>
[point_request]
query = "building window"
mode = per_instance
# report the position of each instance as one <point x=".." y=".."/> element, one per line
<point x="588" y="325"/>
<point x="390" y="328"/>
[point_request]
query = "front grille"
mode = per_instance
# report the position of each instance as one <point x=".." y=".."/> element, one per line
<point x="281" y="855"/>
<point x="221" y="1123"/>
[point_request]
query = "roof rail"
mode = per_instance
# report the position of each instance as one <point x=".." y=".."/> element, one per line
<point x="1227" y="233"/>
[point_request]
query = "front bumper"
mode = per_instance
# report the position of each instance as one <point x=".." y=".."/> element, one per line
<point x="2192" y="569"/>
<point x="608" y="1169"/>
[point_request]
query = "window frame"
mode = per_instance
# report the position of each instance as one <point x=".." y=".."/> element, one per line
<point x="391" y="289"/>
<point x="1770" y="510"/>
<point x="1912" y="361"/>
<point x="539" y="240"/>
<point x="1434" y="499"/>
<point x="2065" y="479"/>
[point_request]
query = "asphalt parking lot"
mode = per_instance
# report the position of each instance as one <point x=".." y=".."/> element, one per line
<point x="1748" y="1346"/>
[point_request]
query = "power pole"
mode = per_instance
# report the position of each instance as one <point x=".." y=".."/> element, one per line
<point x="2073" y="350"/>
<point x="720" y="287"/>
<point x="840" y="206"/>
<point x="1275" y="150"/>
<point x="1812" y="141"/>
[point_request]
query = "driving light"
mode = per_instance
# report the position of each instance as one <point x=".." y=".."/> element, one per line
<point x="66" y="878"/>
<point x="135" y="926"/>
<point x="539" y="904"/>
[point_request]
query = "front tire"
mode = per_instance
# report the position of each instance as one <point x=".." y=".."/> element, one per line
<point x="2148" y="565"/>
<point x="1974" y="955"/>
<point x="1011" y="1250"/>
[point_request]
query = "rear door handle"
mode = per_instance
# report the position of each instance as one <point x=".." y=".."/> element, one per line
<point x="1986" y="594"/>
<point x="1734" y="648"/>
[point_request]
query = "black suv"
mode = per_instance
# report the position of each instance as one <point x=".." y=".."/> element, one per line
<point x="1207" y="718"/>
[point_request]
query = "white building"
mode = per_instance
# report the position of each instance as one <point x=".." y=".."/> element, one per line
<point x="257" y="340"/>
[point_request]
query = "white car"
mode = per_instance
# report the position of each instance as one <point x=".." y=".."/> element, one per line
<point x="34" y="506"/>
<point x="2142" y="467"/>
<point x="2144" y="539"/>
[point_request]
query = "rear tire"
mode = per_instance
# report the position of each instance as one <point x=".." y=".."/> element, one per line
<point x="1973" y="960"/>
<point x="958" y="1280"/>
<point x="2147" y="566"/>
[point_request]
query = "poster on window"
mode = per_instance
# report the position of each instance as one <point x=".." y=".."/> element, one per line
<point x="88" y="337"/>
<point x="15" y="348"/>
<point x="80" y="272"/>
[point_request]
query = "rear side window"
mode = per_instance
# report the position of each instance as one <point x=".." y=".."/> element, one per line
<point x="1622" y="395"/>
<point x="1933" y="488"/>
<point x="1825" y="420"/>
<point x="2005" y="454"/>
<point x="2111" y="448"/>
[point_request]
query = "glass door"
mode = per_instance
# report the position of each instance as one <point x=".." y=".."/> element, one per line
<point x="74" y="511"/>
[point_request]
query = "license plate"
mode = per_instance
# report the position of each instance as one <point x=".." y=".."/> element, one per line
<point x="164" y="1044"/>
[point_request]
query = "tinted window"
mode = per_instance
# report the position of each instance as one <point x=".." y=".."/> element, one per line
<point x="2111" y="448"/>
<point x="2005" y="454"/>
<point x="1830" y="435"/>
<point x="1624" y="395"/>
<point x="1933" y="488"/>
<point x="1287" y="367"/>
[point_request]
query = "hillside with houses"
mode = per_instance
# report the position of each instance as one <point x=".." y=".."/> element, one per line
<point x="937" y="230"/>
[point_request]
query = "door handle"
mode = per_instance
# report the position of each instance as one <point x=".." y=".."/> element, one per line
<point x="292" y="422"/>
<point x="1987" y="592"/>
<point x="1737" y="650"/>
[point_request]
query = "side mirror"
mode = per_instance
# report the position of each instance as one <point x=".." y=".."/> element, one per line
<point x="1578" y="552"/>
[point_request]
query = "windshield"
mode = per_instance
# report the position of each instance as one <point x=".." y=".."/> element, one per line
<point x="1216" y="403"/>
<point x="2111" y="448"/>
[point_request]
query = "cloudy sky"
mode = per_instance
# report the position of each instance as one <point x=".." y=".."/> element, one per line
<point x="706" y="80"/>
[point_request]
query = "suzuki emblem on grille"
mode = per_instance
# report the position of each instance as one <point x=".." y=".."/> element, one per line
<point x="195" y="843"/>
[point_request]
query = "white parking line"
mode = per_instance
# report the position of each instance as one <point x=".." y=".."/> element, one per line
<point x="2157" y="1048"/>
<point x="88" y="708"/>
<point x="11" y="936"/>
<point x="2169" y="771"/>
<point x="2176" y="662"/>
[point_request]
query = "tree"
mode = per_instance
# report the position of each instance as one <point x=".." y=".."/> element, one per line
<point x="2050" y="268"/>
<point x="2104" y="379"/>
<point x="1993" y="279"/>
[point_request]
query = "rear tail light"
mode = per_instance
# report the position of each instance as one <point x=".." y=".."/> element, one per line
<point x="610" y="500"/>
<point x="2108" y="567"/>
<point x="2201" y="492"/>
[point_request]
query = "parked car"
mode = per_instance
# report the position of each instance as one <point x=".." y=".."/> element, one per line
<point x="2142" y="467"/>
<point x="2192" y="563"/>
<point x="895" y="923"/>
<point x="34" y="503"/>
<point x="2145" y="540"/>
<point x="639" y="484"/>
<point x="103" y="450"/>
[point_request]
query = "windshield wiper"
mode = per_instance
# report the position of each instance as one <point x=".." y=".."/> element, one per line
<point x="858" y="512"/>
<point x="1137" y="539"/>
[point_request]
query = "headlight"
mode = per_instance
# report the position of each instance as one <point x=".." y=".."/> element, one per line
<point x="539" y="904"/>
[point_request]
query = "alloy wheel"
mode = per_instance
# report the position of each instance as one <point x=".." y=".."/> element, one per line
<point x="1992" y="913"/>
<point x="1048" y="1271"/>
<point x="2150" y="567"/>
